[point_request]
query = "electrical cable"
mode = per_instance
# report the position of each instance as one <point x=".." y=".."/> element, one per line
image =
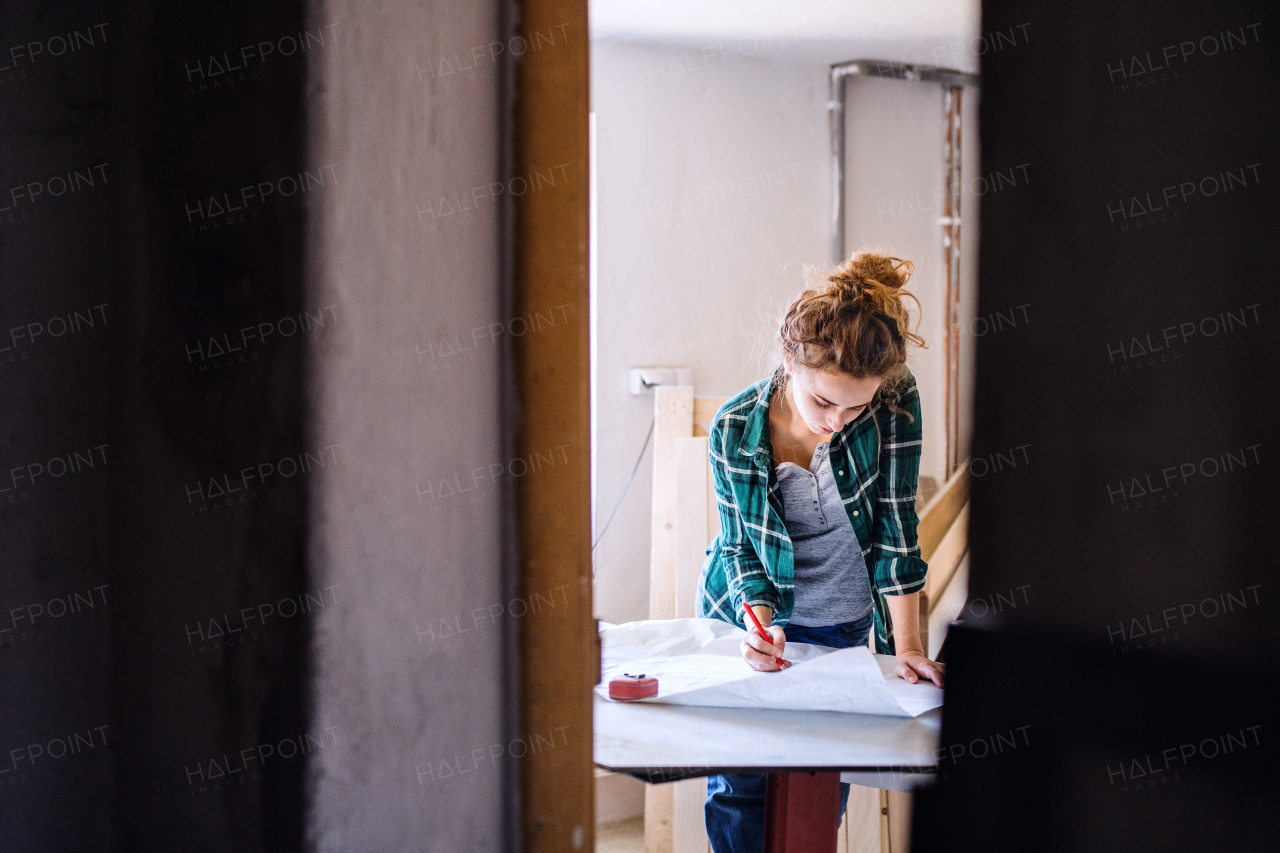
<point x="618" y="503"/>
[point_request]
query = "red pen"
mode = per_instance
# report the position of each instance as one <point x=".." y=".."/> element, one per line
<point x="763" y="632"/>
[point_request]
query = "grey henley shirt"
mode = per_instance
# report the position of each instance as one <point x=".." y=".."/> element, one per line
<point x="831" y="585"/>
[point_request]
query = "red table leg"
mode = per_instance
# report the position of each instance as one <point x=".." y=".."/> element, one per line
<point x="801" y="812"/>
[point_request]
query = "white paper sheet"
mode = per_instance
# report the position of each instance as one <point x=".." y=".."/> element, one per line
<point x="698" y="662"/>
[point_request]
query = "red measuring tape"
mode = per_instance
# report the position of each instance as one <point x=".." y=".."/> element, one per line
<point x="628" y="688"/>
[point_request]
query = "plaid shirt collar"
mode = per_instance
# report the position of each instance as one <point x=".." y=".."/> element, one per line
<point x="755" y="433"/>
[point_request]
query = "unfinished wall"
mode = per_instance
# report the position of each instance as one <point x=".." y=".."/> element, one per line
<point x="712" y="192"/>
<point x="895" y="186"/>
<point x="410" y="664"/>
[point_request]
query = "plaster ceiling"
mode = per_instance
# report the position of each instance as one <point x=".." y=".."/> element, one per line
<point x="819" y="31"/>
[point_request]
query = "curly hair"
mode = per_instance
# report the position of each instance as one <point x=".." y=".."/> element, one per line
<point x="853" y="321"/>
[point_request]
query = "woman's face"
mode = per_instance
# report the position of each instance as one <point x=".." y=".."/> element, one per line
<point x="828" y="400"/>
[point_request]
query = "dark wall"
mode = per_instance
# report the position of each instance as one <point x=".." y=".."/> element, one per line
<point x="1124" y="567"/>
<point x="1146" y="385"/>
<point x="153" y="113"/>
<point x="55" y="260"/>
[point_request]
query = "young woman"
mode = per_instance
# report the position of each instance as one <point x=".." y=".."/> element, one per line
<point x="815" y="474"/>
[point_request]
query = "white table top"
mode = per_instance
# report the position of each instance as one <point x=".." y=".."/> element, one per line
<point x="666" y="742"/>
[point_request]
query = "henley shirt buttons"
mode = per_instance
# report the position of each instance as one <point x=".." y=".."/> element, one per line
<point x="855" y="512"/>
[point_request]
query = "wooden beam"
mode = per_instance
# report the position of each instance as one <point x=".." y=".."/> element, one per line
<point x="946" y="556"/>
<point x="673" y="419"/>
<point x="885" y="846"/>
<point x="704" y="413"/>
<point x="692" y="535"/>
<point x="689" y="823"/>
<point x="926" y="488"/>
<point x="862" y="819"/>
<point x="937" y="516"/>
<point x="659" y="818"/>
<point x="674" y="819"/>
<point x="666" y="806"/>
<point x="899" y="821"/>
<point x="922" y="618"/>
<point x="553" y="509"/>
<point x="948" y="606"/>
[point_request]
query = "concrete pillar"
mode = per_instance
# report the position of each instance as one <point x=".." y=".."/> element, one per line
<point x="412" y="664"/>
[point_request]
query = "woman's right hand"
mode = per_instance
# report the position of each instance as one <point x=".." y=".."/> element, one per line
<point x="759" y="652"/>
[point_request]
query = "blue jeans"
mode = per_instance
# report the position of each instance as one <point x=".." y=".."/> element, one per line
<point x="735" y="801"/>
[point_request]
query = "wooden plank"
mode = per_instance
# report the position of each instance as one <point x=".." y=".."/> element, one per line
<point x="618" y="797"/>
<point x="691" y="520"/>
<point x="673" y="414"/>
<point x="659" y="810"/>
<point x="926" y="488"/>
<point x="885" y="846"/>
<point x="899" y="820"/>
<point x="689" y="823"/>
<point x="704" y="412"/>
<point x="946" y="556"/>
<point x="949" y="606"/>
<point x="550" y="231"/>
<point x="862" y="818"/>
<point x="673" y="420"/>
<point x="937" y="517"/>
<point x="674" y="819"/>
<point x="923" y="618"/>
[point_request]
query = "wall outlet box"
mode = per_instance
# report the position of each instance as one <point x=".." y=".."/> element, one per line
<point x="643" y="380"/>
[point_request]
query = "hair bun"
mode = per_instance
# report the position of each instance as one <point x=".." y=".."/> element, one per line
<point x="854" y="319"/>
<point x="887" y="271"/>
<point x="868" y="280"/>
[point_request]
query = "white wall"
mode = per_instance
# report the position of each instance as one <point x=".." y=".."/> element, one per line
<point x="694" y="268"/>
<point x="713" y="191"/>
<point x="893" y="196"/>
<point x="894" y="191"/>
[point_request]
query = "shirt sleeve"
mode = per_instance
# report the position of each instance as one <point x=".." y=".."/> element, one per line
<point x="898" y="567"/>
<point x="745" y="573"/>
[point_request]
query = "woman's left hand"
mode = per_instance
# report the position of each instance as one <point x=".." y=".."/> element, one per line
<point x="913" y="665"/>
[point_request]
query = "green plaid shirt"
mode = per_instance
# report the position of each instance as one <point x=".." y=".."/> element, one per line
<point x="876" y="463"/>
